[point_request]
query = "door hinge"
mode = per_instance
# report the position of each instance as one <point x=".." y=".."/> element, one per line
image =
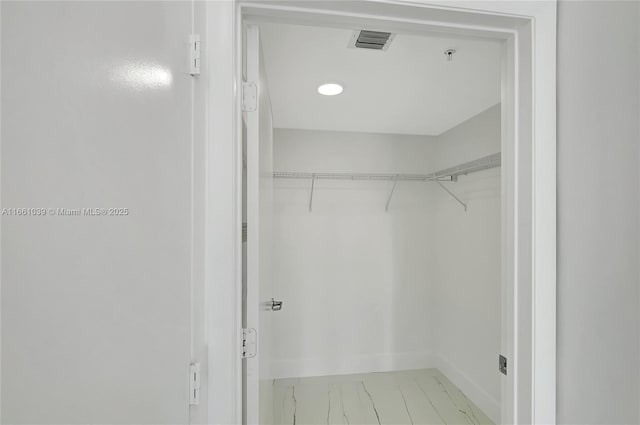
<point x="249" y="347"/>
<point x="194" y="54"/>
<point x="194" y="384"/>
<point x="249" y="96"/>
<point x="502" y="364"/>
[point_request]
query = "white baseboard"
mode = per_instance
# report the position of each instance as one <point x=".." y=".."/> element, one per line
<point x="489" y="405"/>
<point x="322" y="366"/>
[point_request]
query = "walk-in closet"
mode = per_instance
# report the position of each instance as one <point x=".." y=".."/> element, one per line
<point x="373" y="274"/>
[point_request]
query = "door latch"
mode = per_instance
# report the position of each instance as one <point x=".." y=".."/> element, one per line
<point x="502" y="364"/>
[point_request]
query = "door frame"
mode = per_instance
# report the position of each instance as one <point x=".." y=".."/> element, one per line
<point x="528" y="29"/>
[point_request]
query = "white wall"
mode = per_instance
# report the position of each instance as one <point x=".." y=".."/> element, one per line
<point x="354" y="279"/>
<point x="477" y="137"/>
<point x="468" y="263"/>
<point x="96" y="311"/>
<point x="598" y="137"/>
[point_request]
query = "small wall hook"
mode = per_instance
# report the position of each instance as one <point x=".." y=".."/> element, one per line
<point x="276" y="305"/>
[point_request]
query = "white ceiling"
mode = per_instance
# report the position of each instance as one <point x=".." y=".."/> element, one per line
<point x="409" y="89"/>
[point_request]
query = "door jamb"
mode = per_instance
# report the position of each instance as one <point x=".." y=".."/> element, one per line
<point x="529" y="176"/>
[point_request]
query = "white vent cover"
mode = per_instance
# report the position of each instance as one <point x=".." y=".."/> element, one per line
<point x="372" y="40"/>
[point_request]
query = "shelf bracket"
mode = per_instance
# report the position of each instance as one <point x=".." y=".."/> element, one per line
<point x="395" y="182"/>
<point x="453" y="195"/>
<point x="313" y="181"/>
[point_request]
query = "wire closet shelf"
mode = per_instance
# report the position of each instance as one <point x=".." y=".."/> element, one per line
<point x="483" y="163"/>
<point x="448" y="174"/>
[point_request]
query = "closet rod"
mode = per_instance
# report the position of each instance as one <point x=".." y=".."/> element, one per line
<point x="451" y="173"/>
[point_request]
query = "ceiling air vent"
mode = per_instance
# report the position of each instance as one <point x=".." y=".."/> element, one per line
<point x="374" y="40"/>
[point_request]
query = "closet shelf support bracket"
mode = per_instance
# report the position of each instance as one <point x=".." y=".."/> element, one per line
<point x="313" y="181"/>
<point x="453" y="195"/>
<point x="386" y="207"/>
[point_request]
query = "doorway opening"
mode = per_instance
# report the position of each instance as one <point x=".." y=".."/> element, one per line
<point x="373" y="278"/>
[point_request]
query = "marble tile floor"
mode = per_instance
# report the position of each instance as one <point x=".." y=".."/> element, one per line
<point x="411" y="397"/>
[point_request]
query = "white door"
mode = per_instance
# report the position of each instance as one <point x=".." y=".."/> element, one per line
<point x="96" y="310"/>
<point x="259" y="154"/>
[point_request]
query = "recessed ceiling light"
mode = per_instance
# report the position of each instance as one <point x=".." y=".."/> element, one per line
<point x="330" y="89"/>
